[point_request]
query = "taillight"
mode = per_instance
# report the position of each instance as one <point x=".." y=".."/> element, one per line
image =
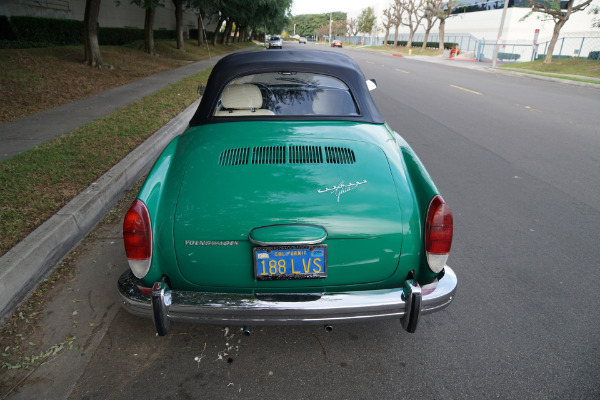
<point x="137" y="237"/>
<point x="438" y="233"/>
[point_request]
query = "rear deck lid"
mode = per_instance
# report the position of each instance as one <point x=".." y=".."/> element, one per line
<point x="229" y="191"/>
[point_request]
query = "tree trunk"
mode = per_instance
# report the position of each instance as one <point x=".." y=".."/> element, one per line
<point x="385" y="38"/>
<point x="93" y="58"/>
<point x="396" y="35"/>
<point x="217" y="29"/>
<point x="442" y="29"/>
<point x="237" y="30"/>
<point x="426" y="38"/>
<point x="410" y="37"/>
<point x="179" y="23"/>
<point x="557" y="27"/>
<point x="201" y="16"/>
<point x="227" y="32"/>
<point x="149" y="31"/>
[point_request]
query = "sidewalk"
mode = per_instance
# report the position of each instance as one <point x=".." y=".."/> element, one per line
<point x="26" y="264"/>
<point x="25" y="133"/>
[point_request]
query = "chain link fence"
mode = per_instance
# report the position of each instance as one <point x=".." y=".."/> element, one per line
<point x="572" y="45"/>
<point x="582" y="47"/>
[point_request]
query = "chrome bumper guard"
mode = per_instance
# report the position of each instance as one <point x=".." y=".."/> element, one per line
<point x="167" y="305"/>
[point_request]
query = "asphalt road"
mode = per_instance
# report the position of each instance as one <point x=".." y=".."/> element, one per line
<point x="516" y="159"/>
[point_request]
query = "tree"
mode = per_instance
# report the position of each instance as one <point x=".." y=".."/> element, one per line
<point x="398" y="10"/>
<point x="444" y="12"/>
<point x="596" y="20"/>
<point x="204" y="7"/>
<point x="431" y="17"/>
<point x="552" y="11"/>
<point x="388" y="21"/>
<point x="338" y="28"/>
<point x="366" y="21"/>
<point x="179" y="23"/>
<point x="218" y="29"/>
<point x="93" y="58"/>
<point x="415" y="12"/>
<point x="150" y="11"/>
<point x="352" y="28"/>
<point x="201" y="16"/>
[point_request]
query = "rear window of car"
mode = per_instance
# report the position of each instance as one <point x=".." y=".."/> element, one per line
<point x="286" y="94"/>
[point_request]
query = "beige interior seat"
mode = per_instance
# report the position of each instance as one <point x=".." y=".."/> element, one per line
<point x="242" y="100"/>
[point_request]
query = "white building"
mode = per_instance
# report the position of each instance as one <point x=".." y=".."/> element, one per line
<point x="471" y="29"/>
<point x="125" y="15"/>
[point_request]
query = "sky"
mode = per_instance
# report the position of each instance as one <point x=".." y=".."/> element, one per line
<point x="324" y="6"/>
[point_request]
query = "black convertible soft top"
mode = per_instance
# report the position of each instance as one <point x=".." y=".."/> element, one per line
<point x="316" y="61"/>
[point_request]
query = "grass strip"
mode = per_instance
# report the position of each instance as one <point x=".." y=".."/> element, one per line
<point x="569" y="78"/>
<point x="37" y="183"/>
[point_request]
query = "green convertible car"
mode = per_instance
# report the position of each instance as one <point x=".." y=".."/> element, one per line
<point x="288" y="200"/>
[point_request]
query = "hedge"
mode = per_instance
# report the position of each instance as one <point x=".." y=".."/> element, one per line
<point x="433" y="45"/>
<point x="508" y="56"/>
<point x="194" y="34"/>
<point x="6" y="31"/>
<point x="25" y="32"/>
<point x="47" y="30"/>
<point x="543" y="56"/>
<point x="122" y="36"/>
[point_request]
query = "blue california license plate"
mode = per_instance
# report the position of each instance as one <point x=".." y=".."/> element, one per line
<point x="290" y="262"/>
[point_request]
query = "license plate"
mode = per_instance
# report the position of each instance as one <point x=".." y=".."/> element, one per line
<point x="290" y="262"/>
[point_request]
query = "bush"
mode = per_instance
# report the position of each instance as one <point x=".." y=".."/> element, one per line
<point x="433" y="45"/>
<point x="119" y="36"/>
<point x="594" y="55"/>
<point x="47" y="30"/>
<point x="164" y="34"/>
<point x="19" y="44"/>
<point x="6" y="31"/>
<point x="508" y="56"/>
<point x="44" y="32"/>
<point x="194" y="34"/>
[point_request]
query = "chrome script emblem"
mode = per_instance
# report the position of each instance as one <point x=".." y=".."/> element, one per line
<point x="210" y="243"/>
<point x="342" y="188"/>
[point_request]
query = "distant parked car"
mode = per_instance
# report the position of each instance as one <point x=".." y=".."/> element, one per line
<point x="275" y="42"/>
<point x="336" y="43"/>
<point x="288" y="200"/>
<point x="302" y="40"/>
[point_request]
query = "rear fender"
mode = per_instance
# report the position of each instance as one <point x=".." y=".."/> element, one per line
<point x="153" y="194"/>
<point x="423" y="191"/>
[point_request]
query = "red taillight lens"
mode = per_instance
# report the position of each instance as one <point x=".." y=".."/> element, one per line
<point x="137" y="237"/>
<point x="438" y="233"/>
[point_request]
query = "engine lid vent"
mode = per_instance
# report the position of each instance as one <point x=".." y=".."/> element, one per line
<point x="305" y="155"/>
<point x="293" y="154"/>
<point x="268" y="155"/>
<point x="234" y="156"/>
<point x="339" y="155"/>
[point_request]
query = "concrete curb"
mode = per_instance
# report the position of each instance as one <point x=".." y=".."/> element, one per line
<point x="24" y="266"/>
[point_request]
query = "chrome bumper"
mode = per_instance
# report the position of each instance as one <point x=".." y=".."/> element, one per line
<point x="327" y="308"/>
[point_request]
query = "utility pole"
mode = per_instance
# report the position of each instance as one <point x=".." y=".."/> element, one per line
<point x="330" y="29"/>
<point x="496" y="48"/>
